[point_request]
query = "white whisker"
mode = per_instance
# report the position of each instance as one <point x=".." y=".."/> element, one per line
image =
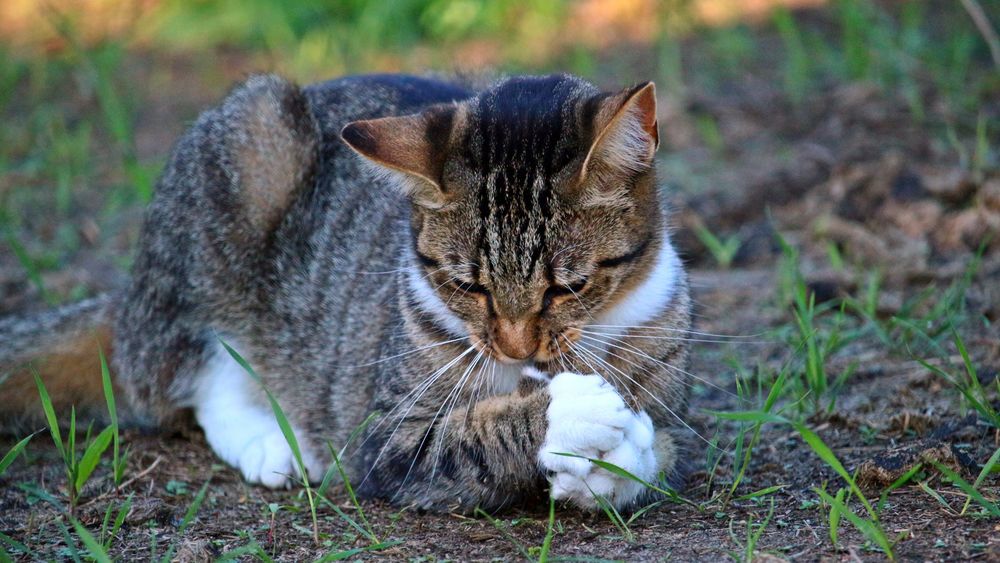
<point x="672" y="338"/>
<point x="648" y="392"/>
<point x="681" y="330"/>
<point x="419" y="389"/>
<point x="450" y="401"/>
<point x="407" y="353"/>
<point x="657" y="362"/>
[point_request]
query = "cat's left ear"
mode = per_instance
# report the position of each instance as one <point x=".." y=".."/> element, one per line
<point x="411" y="149"/>
<point x="625" y="132"/>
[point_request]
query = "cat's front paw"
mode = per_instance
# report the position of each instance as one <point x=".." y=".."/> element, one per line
<point x="588" y="417"/>
<point x="252" y="442"/>
<point x="246" y="433"/>
<point x="268" y="459"/>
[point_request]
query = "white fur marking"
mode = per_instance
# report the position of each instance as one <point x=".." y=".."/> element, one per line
<point x="649" y="299"/>
<point x="588" y="417"/>
<point x="433" y="304"/>
<point x="626" y="145"/>
<point x="241" y="430"/>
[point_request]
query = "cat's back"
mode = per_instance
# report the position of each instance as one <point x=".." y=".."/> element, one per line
<point x="345" y="206"/>
<point x="345" y="209"/>
<point x="341" y="236"/>
<point x="336" y="102"/>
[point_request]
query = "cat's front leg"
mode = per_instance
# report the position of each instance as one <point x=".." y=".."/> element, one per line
<point x="587" y="417"/>
<point x="243" y="430"/>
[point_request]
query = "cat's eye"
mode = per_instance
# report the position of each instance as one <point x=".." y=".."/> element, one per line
<point x="474" y="288"/>
<point x="560" y="290"/>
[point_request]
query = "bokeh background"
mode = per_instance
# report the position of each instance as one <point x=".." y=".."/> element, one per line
<point x="94" y="92"/>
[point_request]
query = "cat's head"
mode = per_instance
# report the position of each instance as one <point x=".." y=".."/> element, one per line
<point x="535" y="208"/>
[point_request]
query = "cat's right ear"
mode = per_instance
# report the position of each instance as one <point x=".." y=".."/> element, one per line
<point x="410" y="149"/>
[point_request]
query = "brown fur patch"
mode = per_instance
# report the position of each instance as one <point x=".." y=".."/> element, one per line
<point x="71" y="372"/>
<point x="272" y="149"/>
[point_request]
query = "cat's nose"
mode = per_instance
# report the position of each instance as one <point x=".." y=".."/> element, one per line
<point x="516" y="339"/>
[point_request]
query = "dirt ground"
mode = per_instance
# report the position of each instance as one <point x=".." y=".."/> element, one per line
<point x="903" y="405"/>
<point x="851" y="173"/>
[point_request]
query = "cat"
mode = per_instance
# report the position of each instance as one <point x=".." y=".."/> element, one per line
<point x="489" y="271"/>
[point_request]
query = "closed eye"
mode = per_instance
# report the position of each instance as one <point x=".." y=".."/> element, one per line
<point x="630" y="256"/>
<point x="561" y="290"/>
<point x="470" y="287"/>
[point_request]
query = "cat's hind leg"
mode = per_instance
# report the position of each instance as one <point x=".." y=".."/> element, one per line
<point x="241" y="427"/>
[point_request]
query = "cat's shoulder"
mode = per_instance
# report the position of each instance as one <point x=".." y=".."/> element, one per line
<point x="367" y="96"/>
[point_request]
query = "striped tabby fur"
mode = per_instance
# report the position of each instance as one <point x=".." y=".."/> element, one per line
<point x="404" y="245"/>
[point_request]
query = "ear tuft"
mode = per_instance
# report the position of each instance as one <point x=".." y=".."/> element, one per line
<point x="626" y="133"/>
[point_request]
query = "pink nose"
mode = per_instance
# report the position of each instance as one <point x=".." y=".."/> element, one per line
<point x="515" y="339"/>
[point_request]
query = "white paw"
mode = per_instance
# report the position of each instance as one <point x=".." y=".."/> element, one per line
<point x="244" y="433"/>
<point x="267" y="459"/>
<point x="588" y="417"/>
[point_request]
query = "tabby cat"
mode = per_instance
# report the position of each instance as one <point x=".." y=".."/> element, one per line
<point x="488" y="270"/>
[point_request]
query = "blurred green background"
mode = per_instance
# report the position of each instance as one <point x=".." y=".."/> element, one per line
<point x="94" y="92"/>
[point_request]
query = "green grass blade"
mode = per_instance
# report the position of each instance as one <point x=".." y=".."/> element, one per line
<point x="866" y="527"/>
<point x="96" y="550"/>
<point x="118" y="467"/>
<point x="347" y="518"/>
<point x="324" y="485"/>
<point x="120" y="518"/>
<point x="240" y="553"/>
<point x="14" y="544"/>
<point x="936" y="496"/>
<point x="639" y="513"/>
<point x="899" y="482"/>
<point x="966" y="361"/>
<point x="50" y="414"/>
<point x="368" y="531"/>
<point x="614" y="516"/>
<point x="286" y="431"/>
<point x="357" y="431"/>
<point x="192" y="510"/>
<point x="105" y="522"/>
<point x="761" y="492"/>
<point x="74" y="552"/>
<point x="812" y="439"/>
<point x="835" y="517"/>
<point x="612" y="468"/>
<point x="91" y="457"/>
<point x="33" y="490"/>
<point x="109" y="396"/>
<point x="279" y="414"/>
<point x="828" y="457"/>
<point x="13" y="453"/>
<point x="968" y="489"/>
<point x="986" y="470"/>
<point x="71" y="444"/>
<point x="503" y="530"/>
<point x="341" y="555"/>
<point x="543" y="555"/>
<point x="754" y="537"/>
<point x="977" y="403"/>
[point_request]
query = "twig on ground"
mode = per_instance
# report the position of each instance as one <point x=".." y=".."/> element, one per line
<point x="127" y="482"/>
